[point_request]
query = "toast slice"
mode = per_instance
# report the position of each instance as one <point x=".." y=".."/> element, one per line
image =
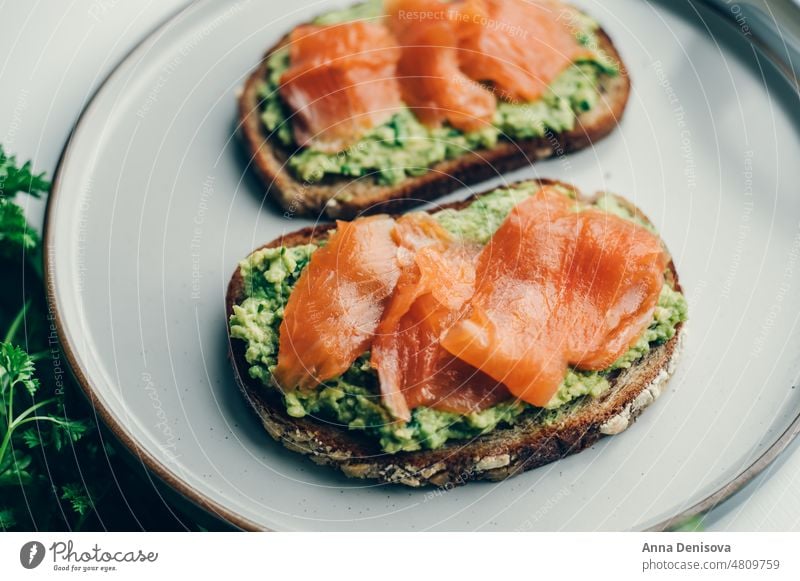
<point x="366" y="196"/>
<point x="502" y="453"/>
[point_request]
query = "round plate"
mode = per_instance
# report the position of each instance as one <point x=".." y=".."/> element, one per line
<point x="155" y="203"/>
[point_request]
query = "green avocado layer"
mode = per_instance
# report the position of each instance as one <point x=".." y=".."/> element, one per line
<point x="404" y="147"/>
<point x="353" y="400"/>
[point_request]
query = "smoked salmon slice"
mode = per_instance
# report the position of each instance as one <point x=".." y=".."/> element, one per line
<point x="518" y="46"/>
<point x="555" y="287"/>
<point x="335" y="307"/>
<point x="437" y="278"/>
<point x="431" y="82"/>
<point x="341" y="82"/>
<point x="447" y="61"/>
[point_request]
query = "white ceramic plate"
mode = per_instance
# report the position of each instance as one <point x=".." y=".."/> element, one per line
<point x="155" y="204"/>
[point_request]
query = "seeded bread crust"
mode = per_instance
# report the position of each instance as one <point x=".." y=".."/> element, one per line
<point x="500" y="454"/>
<point x="363" y="195"/>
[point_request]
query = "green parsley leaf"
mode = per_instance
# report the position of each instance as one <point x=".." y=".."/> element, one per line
<point x="7" y="519"/>
<point x="15" y="179"/>
<point x="692" y="525"/>
<point x="15" y="234"/>
<point x="32" y="438"/>
<point x="14" y="469"/>
<point x="66" y="430"/>
<point x="16" y="367"/>
<point x="78" y="497"/>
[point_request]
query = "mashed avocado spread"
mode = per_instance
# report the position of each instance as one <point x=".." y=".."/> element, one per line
<point x="404" y="147"/>
<point x="353" y="400"/>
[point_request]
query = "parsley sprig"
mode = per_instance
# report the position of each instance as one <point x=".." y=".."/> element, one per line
<point x="17" y="371"/>
<point x="58" y="470"/>
<point x="29" y="418"/>
<point x="15" y="178"/>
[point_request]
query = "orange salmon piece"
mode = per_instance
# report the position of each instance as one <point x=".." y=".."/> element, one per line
<point x="557" y="287"/>
<point x="431" y="82"/>
<point x="335" y="307"/>
<point x="518" y="46"/>
<point x="341" y="82"/>
<point x="437" y="278"/>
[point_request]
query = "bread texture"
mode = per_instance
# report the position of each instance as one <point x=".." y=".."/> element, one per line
<point x="502" y="453"/>
<point x="364" y="195"/>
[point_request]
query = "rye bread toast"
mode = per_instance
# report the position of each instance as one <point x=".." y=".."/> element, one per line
<point x="364" y="195"/>
<point x="499" y="454"/>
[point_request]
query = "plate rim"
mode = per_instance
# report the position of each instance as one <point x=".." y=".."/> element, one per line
<point x="206" y="502"/>
<point x="133" y="447"/>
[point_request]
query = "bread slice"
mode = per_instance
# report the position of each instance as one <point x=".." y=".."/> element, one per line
<point x="499" y="454"/>
<point x="366" y="196"/>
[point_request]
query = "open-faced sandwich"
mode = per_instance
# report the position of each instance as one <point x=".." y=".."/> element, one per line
<point x="476" y="341"/>
<point x="391" y="102"/>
